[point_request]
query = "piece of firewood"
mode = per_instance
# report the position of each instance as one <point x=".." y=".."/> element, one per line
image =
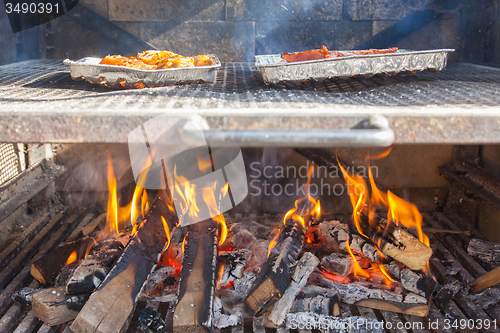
<point x="47" y="268"/>
<point x="402" y="246"/>
<point x="337" y="263"/>
<point x="93" y="270"/>
<point x="234" y="264"/>
<point x="417" y="283"/>
<point x="443" y="231"/>
<point x="276" y="273"/>
<point x="484" y="250"/>
<point x="54" y="307"/>
<point x="276" y="315"/>
<point x="110" y="307"/>
<point x="92" y="226"/>
<point x="195" y="307"/>
<point x="365" y="293"/>
<point x="328" y="306"/>
<point x="487" y="280"/>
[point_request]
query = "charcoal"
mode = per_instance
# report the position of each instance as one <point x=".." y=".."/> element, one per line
<point x="150" y="321"/>
<point x="24" y="295"/>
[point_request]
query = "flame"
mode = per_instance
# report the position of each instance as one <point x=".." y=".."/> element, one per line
<point x="357" y="270"/>
<point x="183" y="244"/>
<point x="312" y="209"/>
<point x="398" y="210"/>
<point x="117" y="216"/>
<point x="167" y="231"/>
<point x="204" y="165"/>
<point x="72" y="258"/>
<point x="358" y="193"/>
<point x="188" y="196"/>
<point x="209" y="198"/>
<point x="225" y="189"/>
<point x="112" y="212"/>
<point x="273" y="243"/>
<point x="379" y="156"/>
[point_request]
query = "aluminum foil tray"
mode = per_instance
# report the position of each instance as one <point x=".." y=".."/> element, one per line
<point x="119" y="76"/>
<point x="367" y="65"/>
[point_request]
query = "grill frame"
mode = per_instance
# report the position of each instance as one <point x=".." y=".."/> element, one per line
<point x="40" y="103"/>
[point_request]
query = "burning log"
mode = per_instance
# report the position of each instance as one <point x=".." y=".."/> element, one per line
<point x="194" y="309"/>
<point x="110" y="308"/>
<point x="54" y="307"/>
<point x="401" y="246"/>
<point x="46" y="269"/>
<point x="337" y="263"/>
<point x="372" y="295"/>
<point x="277" y="313"/>
<point x="484" y="250"/>
<point x="158" y="277"/>
<point x="94" y="268"/>
<point x="275" y="275"/>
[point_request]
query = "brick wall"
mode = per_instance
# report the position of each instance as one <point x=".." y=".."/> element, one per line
<point x="237" y="30"/>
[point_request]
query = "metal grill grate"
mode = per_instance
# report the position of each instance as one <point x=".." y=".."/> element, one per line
<point x="10" y="165"/>
<point x="240" y="85"/>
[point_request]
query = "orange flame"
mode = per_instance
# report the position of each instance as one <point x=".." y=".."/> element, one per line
<point x="273" y="243"/>
<point x="167" y="232"/>
<point x="225" y="189"/>
<point x="358" y="193"/>
<point x="72" y="258"/>
<point x="399" y="210"/>
<point x="209" y="198"/>
<point x="312" y="210"/>
<point x="112" y="212"/>
<point x="379" y="156"/>
<point x="357" y="270"/>
<point x="188" y="196"/>
<point x="204" y="165"/>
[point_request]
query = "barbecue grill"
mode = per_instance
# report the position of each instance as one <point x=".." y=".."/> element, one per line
<point x="444" y="128"/>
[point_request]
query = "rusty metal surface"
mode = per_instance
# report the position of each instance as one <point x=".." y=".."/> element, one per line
<point x="40" y="103"/>
<point x="274" y="69"/>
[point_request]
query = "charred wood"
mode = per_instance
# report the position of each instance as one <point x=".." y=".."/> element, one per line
<point x="337" y="263"/>
<point x="276" y="273"/>
<point x="446" y="293"/>
<point x="93" y="270"/>
<point x="194" y="310"/>
<point x="484" y="250"/>
<point x="417" y="283"/>
<point x="234" y="264"/>
<point x="276" y="315"/>
<point x="54" y="307"/>
<point x="150" y="321"/>
<point x="110" y="307"/>
<point x="24" y="295"/>
<point x="46" y="269"/>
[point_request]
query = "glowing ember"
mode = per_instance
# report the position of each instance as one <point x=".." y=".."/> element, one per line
<point x="72" y="258"/>
<point x="357" y="270"/>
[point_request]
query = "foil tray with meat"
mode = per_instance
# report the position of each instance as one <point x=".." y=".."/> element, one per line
<point x="275" y="69"/>
<point x="91" y="70"/>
